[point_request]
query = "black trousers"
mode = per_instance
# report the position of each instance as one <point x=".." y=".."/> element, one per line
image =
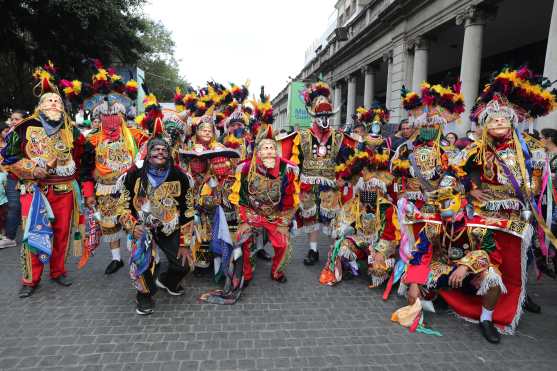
<point x="175" y="272"/>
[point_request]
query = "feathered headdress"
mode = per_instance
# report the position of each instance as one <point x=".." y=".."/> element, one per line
<point x="151" y="120"/>
<point x="410" y="100"/>
<point x="239" y="93"/>
<point x="179" y="99"/>
<point x="131" y="89"/>
<point x="375" y="114"/>
<point x="445" y="100"/>
<point x="518" y="95"/>
<point x="317" y="99"/>
<point x="45" y="77"/>
<point x="262" y="126"/>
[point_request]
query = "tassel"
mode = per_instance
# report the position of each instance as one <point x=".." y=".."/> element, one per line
<point x="491" y="279"/>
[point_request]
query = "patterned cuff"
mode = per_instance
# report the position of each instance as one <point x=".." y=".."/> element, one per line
<point x="23" y="169"/>
<point x="477" y="261"/>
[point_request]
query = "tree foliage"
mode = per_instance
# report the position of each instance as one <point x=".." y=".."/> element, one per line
<point x="70" y="31"/>
<point x="162" y="74"/>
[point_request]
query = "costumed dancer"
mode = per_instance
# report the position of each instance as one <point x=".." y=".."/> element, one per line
<point x="227" y="257"/>
<point x="474" y="263"/>
<point x="159" y="210"/>
<point x="366" y="227"/>
<point x="202" y="123"/>
<point x="317" y="151"/>
<point x="267" y="193"/>
<point x="44" y="152"/>
<point x="503" y="169"/>
<point x="419" y="163"/>
<point x="112" y="150"/>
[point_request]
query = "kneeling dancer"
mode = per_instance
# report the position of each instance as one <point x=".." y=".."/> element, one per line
<point x="474" y="263"/>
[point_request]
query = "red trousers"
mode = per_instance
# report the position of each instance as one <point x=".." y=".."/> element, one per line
<point x="62" y="207"/>
<point x="277" y="232"/>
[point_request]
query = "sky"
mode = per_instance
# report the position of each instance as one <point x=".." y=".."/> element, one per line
<point x="233" y="41"/>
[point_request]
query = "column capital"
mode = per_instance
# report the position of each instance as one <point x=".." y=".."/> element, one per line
<point x="476" y="14"/>
<point x="350" y="78"/>
<point x="370" y="68"/>
<point x="388" y="57"/>
<point x="421" y="42"/>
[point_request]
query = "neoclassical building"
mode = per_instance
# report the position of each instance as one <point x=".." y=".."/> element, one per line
<point x="374" y="47"/>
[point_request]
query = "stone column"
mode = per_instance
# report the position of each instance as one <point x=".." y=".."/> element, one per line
<point x="337" y="102"/>
<point x="419" y="72"/>
<point x="369" y="84"/>
<point x="550" y="68"/>
<point x="351" y="98"/>
<point x="388" y="58"/>
<point x="473" y="20"/>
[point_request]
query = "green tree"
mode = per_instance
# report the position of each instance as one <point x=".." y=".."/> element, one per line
<point x="66" y="32"/>
<point x="162" y="74"/>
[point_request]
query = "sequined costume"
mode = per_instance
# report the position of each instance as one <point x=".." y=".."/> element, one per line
<point x="366" y="227"/>
<point x="160" y="200"/>
<point x="493" y="250"/>
<point x="267" y="199"/>
<point x="48" y="140"/>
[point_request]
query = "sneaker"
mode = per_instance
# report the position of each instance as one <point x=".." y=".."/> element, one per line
<point x="6" y="242"/>
<point x="175" y="292"/>
<point x="145" y="304"/>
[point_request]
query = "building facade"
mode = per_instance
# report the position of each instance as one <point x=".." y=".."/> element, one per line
<point x="377" y="46"/>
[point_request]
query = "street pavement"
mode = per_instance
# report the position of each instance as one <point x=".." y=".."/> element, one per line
<point x="298" y="325"/>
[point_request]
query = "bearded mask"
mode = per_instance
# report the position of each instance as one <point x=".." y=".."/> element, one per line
<point x="51" y="106"/>
<point x="158" y="152"/>
<point x="267" y="153"/>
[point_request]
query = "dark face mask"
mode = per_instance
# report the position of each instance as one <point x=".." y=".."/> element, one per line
<point x="429" y="133"/>
<point x="239" y="133"/>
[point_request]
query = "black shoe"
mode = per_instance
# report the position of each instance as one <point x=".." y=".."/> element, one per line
<point x="263" y="255"/>
<point x="530" y="306"/>
<point x="311" y="258"/>
<point x="63" y="281"/>
<point x="114" y="266"/>
<point x="174" y="292"/>
<point x="26" y="291"/>
<point x="489" y="332"/>
<point x="145" y="304"/>
<point x="280" y="279"/>
<point x="440" y="304"/>
<point x="246" y="284"/>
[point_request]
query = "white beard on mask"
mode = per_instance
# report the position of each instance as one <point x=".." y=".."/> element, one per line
<point x="52" y="115"/>
<point x="269" y="163"/>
